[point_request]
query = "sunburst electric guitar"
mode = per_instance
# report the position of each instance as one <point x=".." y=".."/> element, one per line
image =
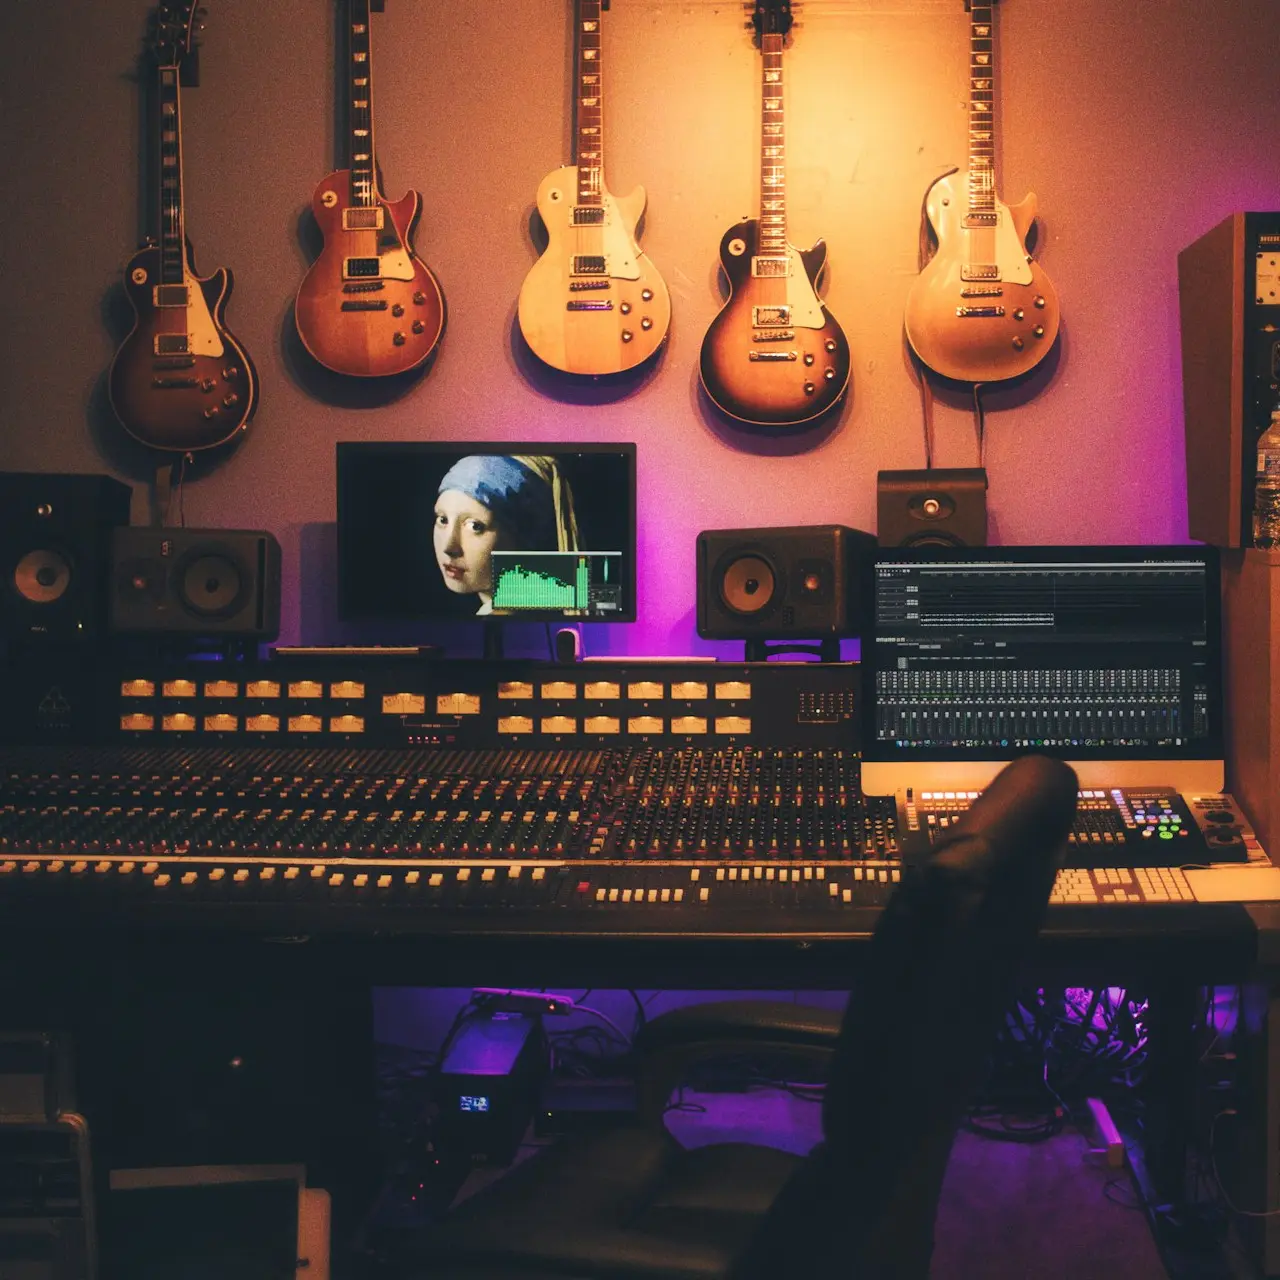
<point x="180" y="381"/>
<point x="368" y="306"/>
<point x="982" y="310"/>
<point x="593" y="303"/>
<point x="774" y="356"/>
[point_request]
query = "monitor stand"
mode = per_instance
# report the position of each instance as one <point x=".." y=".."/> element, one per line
<point x="826" y="649"/>
<point x="492" y="650"/>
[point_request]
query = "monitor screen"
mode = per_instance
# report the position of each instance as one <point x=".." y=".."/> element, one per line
<point x="1107" y="654"/>
<point x="447" y="532"/>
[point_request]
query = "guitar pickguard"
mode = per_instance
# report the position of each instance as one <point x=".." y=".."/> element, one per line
<point x="806" y="310"/>
<point x="203" y="338"/>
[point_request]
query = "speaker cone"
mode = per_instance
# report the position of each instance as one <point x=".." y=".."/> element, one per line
<point x="211" y="585"/>
<point x="747" y="585"/>
<point x="42" y="576"/>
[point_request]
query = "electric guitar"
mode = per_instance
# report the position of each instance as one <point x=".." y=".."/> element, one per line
<point x="982" y="310"/>
<point x="180" y="381"/>
<point x="593" y="303"/>
<point x="774" y="356"/>
<point x="368" y="306"/>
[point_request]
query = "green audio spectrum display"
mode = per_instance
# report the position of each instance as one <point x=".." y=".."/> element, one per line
<point x="578" y="583"/>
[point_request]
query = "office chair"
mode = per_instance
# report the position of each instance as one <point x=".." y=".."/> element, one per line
<point x="904" y="1062"/>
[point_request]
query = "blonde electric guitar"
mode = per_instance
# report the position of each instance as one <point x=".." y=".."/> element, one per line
<point x="982" y="310"/>
<point x="592" y="304"/>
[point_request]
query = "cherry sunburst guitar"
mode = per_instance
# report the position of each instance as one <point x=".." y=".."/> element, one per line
<point x="774" y="355"/>
<point x="180" y="381"/>
<point x="368" y="307"/>
<point x="593" y="303"/>
<point x="982" y="310"/>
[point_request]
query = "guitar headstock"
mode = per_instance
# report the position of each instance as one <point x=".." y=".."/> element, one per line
<point x="173" y="30"/>
<point x="772" y="17"/>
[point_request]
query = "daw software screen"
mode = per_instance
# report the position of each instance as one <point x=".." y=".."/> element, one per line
<point x="1081" y="651"/>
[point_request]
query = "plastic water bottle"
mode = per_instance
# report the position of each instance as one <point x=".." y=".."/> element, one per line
<point x="1266" y="494"/>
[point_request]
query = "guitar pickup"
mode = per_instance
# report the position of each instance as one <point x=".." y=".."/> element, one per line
<point x="979" y="313"/>
<point x="588" y="264"/>
<point x="982" y="220"/>
<point x="170" y="295"/>
<point x="172" y="344"/>
<point x="361" y="268"/>
<point x="584" y="304"/>
<point x="772" y="355"/>
<point x="576" y="286"/>
<point x="777" y="335"/>
<point x="983" y="291"/>
<point x="762" y="266"/>
<point x="362" y="219"/>
<point x="364" y="304"/>
<point x="980" y="271"/>
<point x="588" y="216"/>
<point x="764" y="317"/>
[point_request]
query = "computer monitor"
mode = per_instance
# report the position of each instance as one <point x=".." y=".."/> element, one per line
<point x="446" y="532"/>
<point x="1105" y="656"/>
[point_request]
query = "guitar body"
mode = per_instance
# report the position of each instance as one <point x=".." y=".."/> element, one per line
<point x="985" y="330"/>
<point x="181" y="381"/>
<point x="599" y="323"/>
<point x="368" y="307"/>
<point x="778" y="374"/>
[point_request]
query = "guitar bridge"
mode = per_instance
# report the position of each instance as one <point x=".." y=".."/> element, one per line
<point x="588" y="264"/>
<point x="980" y="271"/>
<point x="778" y="335"/>
<point x="174" y="362"/>
<point x="583" y="304"/>
<point x="979" y="313"/>
<point x="756" y="356"/>
<point x="362" y="286"/>
<point x="361" y="268"/>
<point x="982" y="220"/>
<point x="983" y="291"/>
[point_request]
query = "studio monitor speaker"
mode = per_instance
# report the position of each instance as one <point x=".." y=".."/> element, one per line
<point x="222" y="583"/>
<point x="939" y="507"/>
<point x="806" y="582"/>
<point x="55" y="545"/>
<point x="1229" y="302"/>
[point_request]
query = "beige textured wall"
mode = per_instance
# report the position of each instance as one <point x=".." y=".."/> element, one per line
<point x="1139" y="126"/>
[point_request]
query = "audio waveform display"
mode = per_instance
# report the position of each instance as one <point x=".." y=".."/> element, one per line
<point x="574" y="583"/>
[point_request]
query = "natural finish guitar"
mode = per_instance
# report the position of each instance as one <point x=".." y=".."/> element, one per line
<point x="180" y="381"/>
<point x="982" y="310"/>
<point x="368" y="306"/>
<point x="593" y="303"/>
<point x="775" y="355"/>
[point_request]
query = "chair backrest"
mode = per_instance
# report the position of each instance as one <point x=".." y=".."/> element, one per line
<point x="941" y="969"/>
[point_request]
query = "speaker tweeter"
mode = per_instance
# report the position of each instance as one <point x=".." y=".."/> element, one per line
<point x="943" y="507"/>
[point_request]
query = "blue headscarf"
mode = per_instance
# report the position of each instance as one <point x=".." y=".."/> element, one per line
<point x="521" y="501"/>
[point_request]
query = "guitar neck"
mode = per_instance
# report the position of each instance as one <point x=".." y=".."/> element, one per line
<point x="982" y="94"/>
<point x="360" y="153"/>
<point x="589" y="86"/>
<point x="172" y="218"/>
<point x="773" y="145"/>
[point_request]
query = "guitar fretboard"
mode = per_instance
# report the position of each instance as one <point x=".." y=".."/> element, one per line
<point x="590" y="87"/>
<point x="773" y="169"/>
<point x="172" y="230"/>
<point x="364" y="190"/>
<point x="982" y="85"/>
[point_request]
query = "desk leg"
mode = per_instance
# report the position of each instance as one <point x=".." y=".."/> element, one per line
<point x="1170" y="1087"/>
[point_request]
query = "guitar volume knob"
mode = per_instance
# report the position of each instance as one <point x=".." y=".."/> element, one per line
<point x="809" y="388"/>
<point x="627" y="335"/>
<point x="418" y="326"/>
<point x="808" y="357"/>
<point x="398" y="338"/>
<point x="646" y="294"/>
<point x="419" y="297"/>
<point x="1018" y="344"/>
<point x="829" y="373"/>
<point x="625" y="308"/>
<point x="1038" y="331"/>
<point x="646" y="323"/>
<point x="830" y="344"/>
<point x="398" y="309"/>
<point x="1039" y="300"/>
<point x="1019" y="314"/>
<point x="231" y="371"/>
